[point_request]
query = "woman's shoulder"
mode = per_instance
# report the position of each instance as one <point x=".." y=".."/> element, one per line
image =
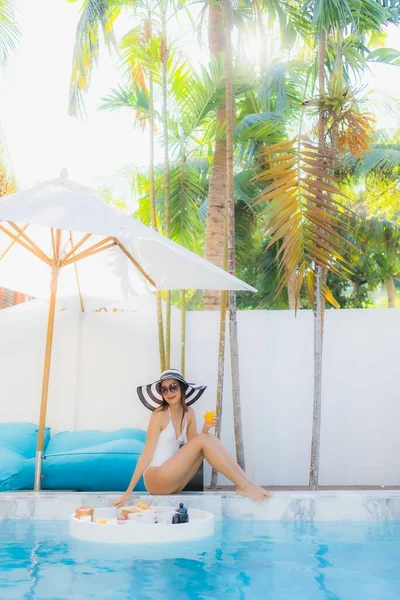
<point x="158" y="414"/>
<point x="190" y="413"/>
<point x="157" y="419"/>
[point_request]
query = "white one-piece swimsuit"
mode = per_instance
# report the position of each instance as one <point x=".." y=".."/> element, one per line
<point x="168" y="444"/>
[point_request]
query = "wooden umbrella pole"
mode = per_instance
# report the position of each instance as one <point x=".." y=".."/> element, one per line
<point x="55" y="270"/>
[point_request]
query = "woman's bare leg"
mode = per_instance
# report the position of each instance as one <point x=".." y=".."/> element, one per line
<point x="239" y="470"/>
<point x="157" y="482"/>
<point x="173" y="474"/>
<point x="192" y="472"/>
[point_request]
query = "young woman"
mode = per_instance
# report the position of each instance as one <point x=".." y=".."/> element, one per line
<point x="174" y="450"/>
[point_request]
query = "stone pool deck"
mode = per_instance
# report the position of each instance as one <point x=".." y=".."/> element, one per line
<point x="324" y="505"/>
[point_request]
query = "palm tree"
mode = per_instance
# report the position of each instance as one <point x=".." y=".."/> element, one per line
<point x="329" y="20"/>
<point x="164" y="55"/>
<point x="384" y="245"/>
<point x="214" y="247"/>
<point x="139" y="51"/>
<point x="230" y="230"/>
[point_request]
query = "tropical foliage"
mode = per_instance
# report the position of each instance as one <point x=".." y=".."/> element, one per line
<point x="272" y="165"/>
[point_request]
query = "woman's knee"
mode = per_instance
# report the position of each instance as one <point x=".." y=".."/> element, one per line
<point x="203" y="439"/>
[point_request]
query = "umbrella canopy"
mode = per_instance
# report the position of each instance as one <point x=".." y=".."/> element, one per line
<point x="110" y="242"/>
<point x="60" y="238"/>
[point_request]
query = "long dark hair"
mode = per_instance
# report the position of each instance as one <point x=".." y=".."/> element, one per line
<point x="164" y="404"/>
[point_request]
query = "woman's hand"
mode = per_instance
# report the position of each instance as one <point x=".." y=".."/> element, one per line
<point x="121" y="500"/>
<point x="210" y="424"/>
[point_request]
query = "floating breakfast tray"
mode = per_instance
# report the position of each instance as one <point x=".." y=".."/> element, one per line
<point x="107" y="527"/>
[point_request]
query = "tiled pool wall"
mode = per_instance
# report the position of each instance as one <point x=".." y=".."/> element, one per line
<point x="288" y="506"/>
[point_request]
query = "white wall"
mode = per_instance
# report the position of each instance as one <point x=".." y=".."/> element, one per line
<point x="100" y="358"/>
<point x="117" y="352"/>
<point x="22" y="344"/>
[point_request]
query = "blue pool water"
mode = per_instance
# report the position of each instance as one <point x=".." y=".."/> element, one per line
<point x="244" y="560"/>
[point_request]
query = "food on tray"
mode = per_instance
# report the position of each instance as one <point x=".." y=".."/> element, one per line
<point x="139" y="508"/>
<point x="101" y="521"/>
<point x="85" y="513"/>
<point x="125" y="512"/>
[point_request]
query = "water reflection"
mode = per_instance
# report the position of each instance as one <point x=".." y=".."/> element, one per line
<point x="320" y="577"/>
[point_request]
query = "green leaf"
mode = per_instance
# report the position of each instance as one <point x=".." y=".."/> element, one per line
<point x="388" y="56"/>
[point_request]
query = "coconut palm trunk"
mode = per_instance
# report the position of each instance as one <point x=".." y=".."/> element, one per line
<point x="183" y="292"/>
<point x="318" y="319"/>
<point x="183" y="332"/>
<point x="391" y="293"/>
<point x="152" y="198"/>
<point x="221" y="353"/>
<point x="214" y="243"/>
<point x="230" y="205"/>
<point x="291" y="290"/>
<point x="220" y="375"/>
<point x="167" y="196"/>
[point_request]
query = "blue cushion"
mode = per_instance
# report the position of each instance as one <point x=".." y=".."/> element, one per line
<point x="105" y="467"/>
<point x="10" y="464"/>
<point x="21" y="438"/>
<point x="65" y="441"/>
<point x="79" y="460"/>
<point x="24" y="477"/>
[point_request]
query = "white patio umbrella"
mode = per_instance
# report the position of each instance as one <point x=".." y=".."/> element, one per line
<point x="50" y="229"/>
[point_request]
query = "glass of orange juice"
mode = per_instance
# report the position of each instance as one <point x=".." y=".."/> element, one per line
<point x="209" y="416"/>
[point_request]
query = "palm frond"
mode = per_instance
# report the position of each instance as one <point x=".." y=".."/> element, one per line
<point x="140" y="52"/>
<point x="9" y="32"/>
<point x="301" y="212"/>
<point x="360" y="15"/>
<point x="188" y="193"/>
<point x="387" y="56"/>
<point x="96" y="15"/>
<point x="134" y="97"/>
<point x="262" y="127"/>
<point x="254" y="131"/>
<point x="393" y="7"/>
<point x="384" y="236"/>
<point x="8" y="184"/>
<point x="247" y="214"/>
<point x="281" y="89"/>
<point x="291" y="19"/>
<point x="197" y="97"/>
<point x="382" y="158"/>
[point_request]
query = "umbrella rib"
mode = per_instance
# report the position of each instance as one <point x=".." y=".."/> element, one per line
<point x="77" y="276"/>
<point x="11" y="244"/>
<point x="78" y="245"/>
<point x="16" y="238"/>
<point x="130" y="257"/>
<point x="28" y="239"/>
<point x="53" y="241"/>
<point x="89" y="252"/>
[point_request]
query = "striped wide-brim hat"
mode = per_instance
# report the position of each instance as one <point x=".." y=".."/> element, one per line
<point x="150" y="394"/>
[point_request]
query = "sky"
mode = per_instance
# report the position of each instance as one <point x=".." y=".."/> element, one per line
<point x="40" y="138"/>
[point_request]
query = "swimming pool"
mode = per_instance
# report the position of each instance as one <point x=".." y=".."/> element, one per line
<point x="244" y="560"/>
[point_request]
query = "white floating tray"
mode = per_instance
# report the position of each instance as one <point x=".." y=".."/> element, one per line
<point x="201" y="525"/>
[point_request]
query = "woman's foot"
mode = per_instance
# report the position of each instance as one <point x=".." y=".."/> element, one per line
<point x="254" y="492"/>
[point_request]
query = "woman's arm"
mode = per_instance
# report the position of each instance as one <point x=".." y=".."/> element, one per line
<point x="192" y="429"/>
<point x="153" y="432"/>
